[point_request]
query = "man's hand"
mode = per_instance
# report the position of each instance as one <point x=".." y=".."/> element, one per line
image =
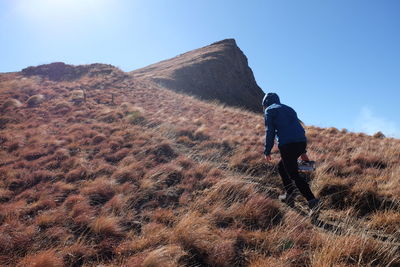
<point x="267" y="158"/>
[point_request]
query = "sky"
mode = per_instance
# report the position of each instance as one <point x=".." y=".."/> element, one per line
<point x="336" y="62"/>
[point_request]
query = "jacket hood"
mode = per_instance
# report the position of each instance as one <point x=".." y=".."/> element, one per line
<point x="269" y="99"/>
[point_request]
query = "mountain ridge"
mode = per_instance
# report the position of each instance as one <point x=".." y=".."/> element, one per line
<point x="218" y="71"/>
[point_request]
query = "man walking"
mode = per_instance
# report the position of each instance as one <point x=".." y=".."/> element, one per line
<point x="281" y="121"/>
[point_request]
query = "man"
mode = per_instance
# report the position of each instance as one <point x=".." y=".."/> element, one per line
<point x="281" y="121"/>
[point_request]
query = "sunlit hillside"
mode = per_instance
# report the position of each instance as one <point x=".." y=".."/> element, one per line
<point x="105" y="169"/>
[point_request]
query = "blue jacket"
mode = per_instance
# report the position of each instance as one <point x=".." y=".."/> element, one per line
<point x="280" y="121"/>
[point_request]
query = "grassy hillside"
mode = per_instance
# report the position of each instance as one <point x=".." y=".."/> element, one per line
<point x="114" y="171"/>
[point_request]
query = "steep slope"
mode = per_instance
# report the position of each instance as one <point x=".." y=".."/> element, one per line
<point x="219" y="71"/>
<point x="115" y="180"/>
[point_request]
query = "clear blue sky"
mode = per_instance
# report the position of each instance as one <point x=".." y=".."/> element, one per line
<point x="337" y="62"/>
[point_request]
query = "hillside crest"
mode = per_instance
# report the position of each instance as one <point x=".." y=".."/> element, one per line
<point x="59" y="71"/>
<point x="217" y="71"/>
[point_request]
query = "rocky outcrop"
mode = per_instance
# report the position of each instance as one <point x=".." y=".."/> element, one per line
<point x="60" y="71"/>
<point x="219" y="71"/>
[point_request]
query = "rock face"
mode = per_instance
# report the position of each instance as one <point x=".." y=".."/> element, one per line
<point x="219" y="71"/>
<point x="60" y="71"/>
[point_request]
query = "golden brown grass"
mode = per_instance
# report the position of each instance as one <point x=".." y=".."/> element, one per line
<point x="387" y="221"/>
<point x="177" y="183"/>
<point x="44" y="259"/>
<point x="11" y="103"/>
<point x="357" y="250"/>
<point x="106" y="226"/>
<point x="35" y="100"/>
<point x="167" y="256"/>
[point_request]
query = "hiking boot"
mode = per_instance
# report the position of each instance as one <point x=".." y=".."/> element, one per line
<point x="288" y="199"/>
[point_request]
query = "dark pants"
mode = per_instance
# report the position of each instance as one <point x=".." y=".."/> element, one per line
<point x="288" y="169"/>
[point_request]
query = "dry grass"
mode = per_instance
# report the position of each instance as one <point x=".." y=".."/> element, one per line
<point x="11" y="103"/>
<point x="177" y="183"/>
<point x="356" y="250"/>
<point x="106" y="226"/>
<point x="44" y="259"/>
<point x="167" y="256"/>
<point x="35" y="100"/>
<point x="387" y="221"/>
<point x="204" y="245"/>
